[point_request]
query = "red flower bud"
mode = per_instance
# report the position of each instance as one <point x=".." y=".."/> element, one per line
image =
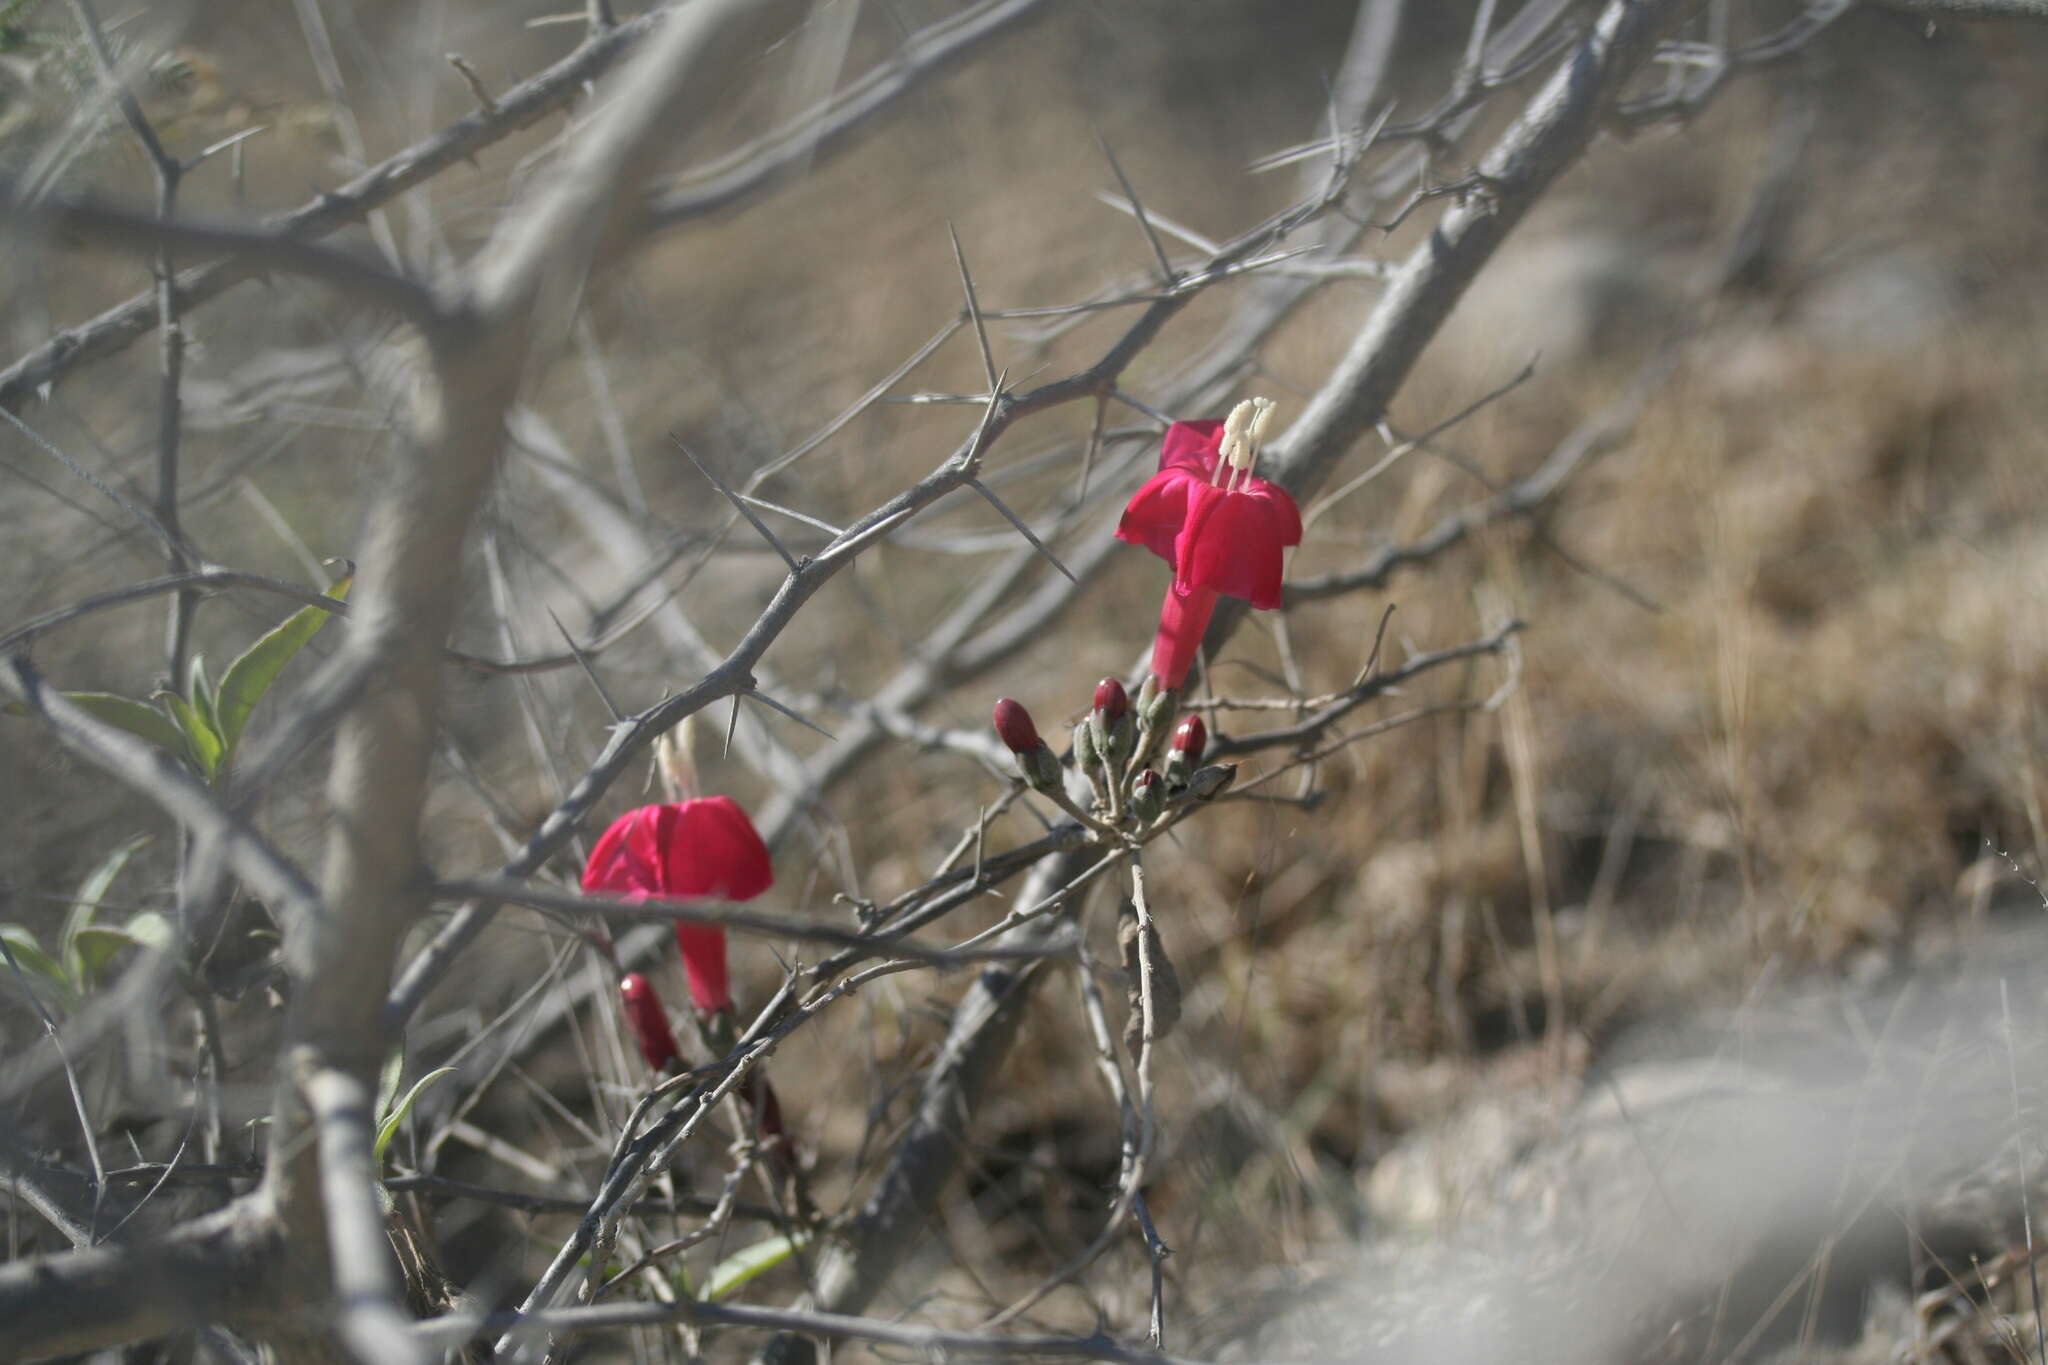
<point x="1190" y="738"/>
<point x="649" y="1023"/>
<point x="1014" y="727"/>
<point x="1148" y="795"/>
<point x="1111" y="702"/>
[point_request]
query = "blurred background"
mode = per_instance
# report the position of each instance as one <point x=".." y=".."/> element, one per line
<point x="1780" y="699"/>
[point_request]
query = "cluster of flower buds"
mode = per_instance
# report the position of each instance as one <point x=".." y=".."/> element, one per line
<point x="1113" y="751"/>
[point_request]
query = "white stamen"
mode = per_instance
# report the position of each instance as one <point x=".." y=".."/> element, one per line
<point x="1243" y="431"/>
<point x="674" y="760"/>
<point x="1261" y="419"/>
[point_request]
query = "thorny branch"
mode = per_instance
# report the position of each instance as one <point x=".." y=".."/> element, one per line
<point x="733" y="676"/>
<point x="516" y="109"/>
<point x="254" y="249"/>
<point x="170" y="417"/>
<point x="343" y="937"/>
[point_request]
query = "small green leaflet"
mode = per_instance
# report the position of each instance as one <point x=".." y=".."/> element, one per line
<point x="199" y="692"/>
<point x="22" y="945"/>
<point x="80" y="965"/>
<point x="389" y="1077"/>
<point x="389" y="1128"/>
<point x="250" y="676"/>
<point x="201" y="745"/>
<point x="203" y="725"/>
<point x="99" y="942"/>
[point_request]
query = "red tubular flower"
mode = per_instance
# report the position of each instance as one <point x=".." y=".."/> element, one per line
<point x="703" y="847"/>
<point x="648" y="1020"/>
<point x="1183" y="621"/>
<point x="1225" y="534"/>
<point x="1221" y="527"/>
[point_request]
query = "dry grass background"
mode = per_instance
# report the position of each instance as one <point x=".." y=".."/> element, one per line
<point x="1793" y="766"/>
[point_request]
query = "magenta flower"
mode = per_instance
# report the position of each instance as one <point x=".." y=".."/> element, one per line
<point x="701" y="848"/>
<point x="1183" y="621"/>
<point x="1221" y="527"/>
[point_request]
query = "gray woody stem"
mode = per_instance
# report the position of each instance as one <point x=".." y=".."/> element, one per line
<point x="527" y="277"/>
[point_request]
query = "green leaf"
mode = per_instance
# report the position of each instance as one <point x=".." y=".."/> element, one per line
<point x="202" y="742"/>
<point x="27" y="951"/>
<point x="151" y="930"/>
<point x="126" y="713"/>
<point x="250" y="676"/>
<point x="736" y="1270"/>
<point x="389" y="1128"/>
<point x="388" y="1079"/>
<point x="86" y="904"/>
<point x="199" y="691"/>
<point x="97" y="943"/>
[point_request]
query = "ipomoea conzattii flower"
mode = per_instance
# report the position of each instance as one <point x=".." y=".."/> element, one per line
<point x="702" y="848"/>
<point x="1221" y="526"/>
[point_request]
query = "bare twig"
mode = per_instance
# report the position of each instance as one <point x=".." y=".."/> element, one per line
<point x="1022" y="528"/>
<point x="757" y="164"/>
<point x="201" y="578"/>
<point x="739" y="506"/>
<point x="170" y="418"/>
<point x="1167" y="276"/>
<point x="63" y="1220"/>
<point x="927" y="1341"/>
<point x="729" y="180"/>
<point x="365" y="1280"/>
<point x="249" y="249"/>
<point x="1308" y="730"/>
<point x="924" y="1160"/>
<point x="988" y="359"/>
<point x="764" y="923"/>
<point x="1969" y="9"/>
<point x="223" y="1266"/>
